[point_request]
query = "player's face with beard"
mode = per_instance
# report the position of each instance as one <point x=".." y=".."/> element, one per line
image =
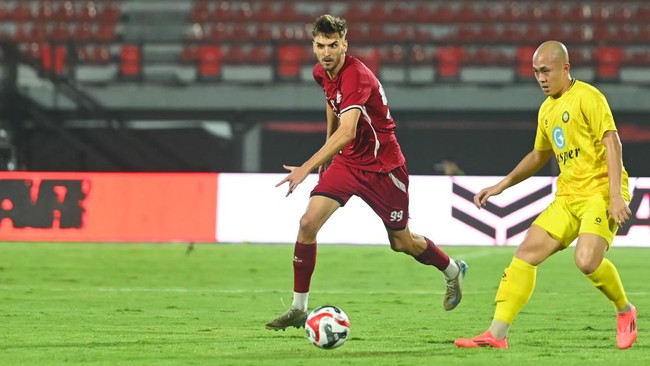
<point x="330" y="50"/>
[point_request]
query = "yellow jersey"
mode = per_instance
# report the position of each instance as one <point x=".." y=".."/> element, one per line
<point x="573" y="126"/>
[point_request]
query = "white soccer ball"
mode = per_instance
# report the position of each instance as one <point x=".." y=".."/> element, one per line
<point x="327" y="327"/>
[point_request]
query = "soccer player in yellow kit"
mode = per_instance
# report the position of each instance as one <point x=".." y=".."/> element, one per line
<point x="576" y="125"/>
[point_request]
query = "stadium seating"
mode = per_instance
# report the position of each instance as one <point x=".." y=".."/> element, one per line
<point x="383" y="31"/>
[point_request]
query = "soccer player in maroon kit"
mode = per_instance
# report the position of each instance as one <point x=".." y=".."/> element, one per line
<point x="361" y="157"/>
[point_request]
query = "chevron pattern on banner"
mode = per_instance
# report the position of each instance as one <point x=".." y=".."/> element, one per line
<point x="511" y="229"/>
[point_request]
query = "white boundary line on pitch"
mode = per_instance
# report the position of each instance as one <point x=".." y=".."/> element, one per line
<point x="246" y="291"/>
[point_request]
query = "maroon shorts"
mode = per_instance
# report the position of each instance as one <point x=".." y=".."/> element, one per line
<point x="386" y="193"/>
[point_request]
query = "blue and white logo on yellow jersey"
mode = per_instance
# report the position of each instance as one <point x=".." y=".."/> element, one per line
<point x="558" y="137"/>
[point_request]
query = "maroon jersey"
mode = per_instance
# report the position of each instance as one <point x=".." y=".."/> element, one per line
<point x="375" y="147"/>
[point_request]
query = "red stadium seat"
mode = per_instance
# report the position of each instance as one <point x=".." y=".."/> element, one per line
<point x="222" y="12"/>
<point x="209" y="58"/>
<point x="524" y="59"/>
<point x="637" y="58"/>
<point x="465" y="33"/>
<point x="266" y="11"/>
<point x="608" y="63"/>
<point x="83" y="32"/>
<point x="4" y="12"/>
<point x="421" y="55"/>
<point x="644" y="34"/>
<point x="514" y="12"/>
<point x="513" y="33"/>
<point x="378" y="12"/>
<point x="488" y="56"/>
<point x="38" y="32"/>
<point x="88" y="12"/>
<point x="259" y="54"/>
<point x="422" y="35"/>
<point x="189" y="54"/>
<point x="579" y="57"/>
<point x="288" y="13"/>
<point x="534" y="12"/>
<point x="468" y="13"/>
<point x="578" y="13"/>
<point x="290" y="59"/>
<point x="356" y="12"/>
<point x="237" y="53"/>
<point x="643" y="14"/>
<point x="444" y="14"/>
<point x="200" y="13"/>
<point x="64" y="12"/>
<point x="400" y="33"/>
<point x="241" y="32"/>
<point x="449" y="62"/>
<point x="264" y="32"/>
<point x="106" y="32"/>
<point x="376" y="32"/>
<point x="21" y="35"/>
<point x="44" y="11"/>
<point x="21" y="12"/>
<point x="130" y="61"/>
<point x="53" y="58"/>
<point x="489" y="33"/>
<point x="393" y="54"/>
<point x="622" y="14"/>
<point x="110" y="12"/>
<point x="370" y="56"/>
<point x="423" y="13"/>
<point x="100" y="54"/>
<point x="554" y="13"/>
<point x="220" y="32"/>
<point x="243" y="12"/>
<point x="400" y="12"/>
<point x="60" y="32"/>
<point x="533" y="32"/>
<point x="492" y="14"/>
<point x="558" y="32"/>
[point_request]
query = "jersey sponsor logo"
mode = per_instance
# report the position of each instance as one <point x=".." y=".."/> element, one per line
<point x="565" y="156"/>
<point x="558" y="137"/>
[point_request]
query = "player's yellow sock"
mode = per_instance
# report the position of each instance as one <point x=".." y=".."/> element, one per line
<point x="606" y="279"/>
<point x="515" y="289"/>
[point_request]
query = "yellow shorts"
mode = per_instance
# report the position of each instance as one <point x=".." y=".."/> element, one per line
<point x="564" y="219"/>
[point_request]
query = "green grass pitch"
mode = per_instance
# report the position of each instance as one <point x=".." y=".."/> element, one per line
<point x="164" y="304"/>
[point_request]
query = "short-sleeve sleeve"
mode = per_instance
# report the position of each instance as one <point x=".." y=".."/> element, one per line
<point x="355" y="88"/>
<point x="599" y="115"/>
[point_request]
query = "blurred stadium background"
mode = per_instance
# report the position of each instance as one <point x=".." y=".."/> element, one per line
<point x="225" y="86"/>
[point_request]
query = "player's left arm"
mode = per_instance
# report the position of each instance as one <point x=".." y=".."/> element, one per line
<point x="618" y="208"/>
<point x="344" y="134"/>
<point x="332" y="126"/>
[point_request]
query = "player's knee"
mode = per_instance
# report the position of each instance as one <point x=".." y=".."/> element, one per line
<point x="308" y="225"/>
<point x="399" y="246"/>
<point x="586" y="264"/>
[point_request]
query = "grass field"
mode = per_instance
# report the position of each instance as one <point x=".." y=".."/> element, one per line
<point x="146" y="304"/>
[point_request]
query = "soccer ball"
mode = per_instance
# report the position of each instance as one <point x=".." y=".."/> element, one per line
<point x="327" y="327"/>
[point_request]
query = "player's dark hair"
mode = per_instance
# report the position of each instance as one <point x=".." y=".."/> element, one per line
<point x="328" y="24"/>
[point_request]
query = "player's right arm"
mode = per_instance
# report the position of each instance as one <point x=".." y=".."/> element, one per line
<point x="528" y="166"/>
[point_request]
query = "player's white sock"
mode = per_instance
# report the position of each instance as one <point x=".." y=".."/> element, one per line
<point x="300" y="300"/>
<point x="452" y="270"/>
